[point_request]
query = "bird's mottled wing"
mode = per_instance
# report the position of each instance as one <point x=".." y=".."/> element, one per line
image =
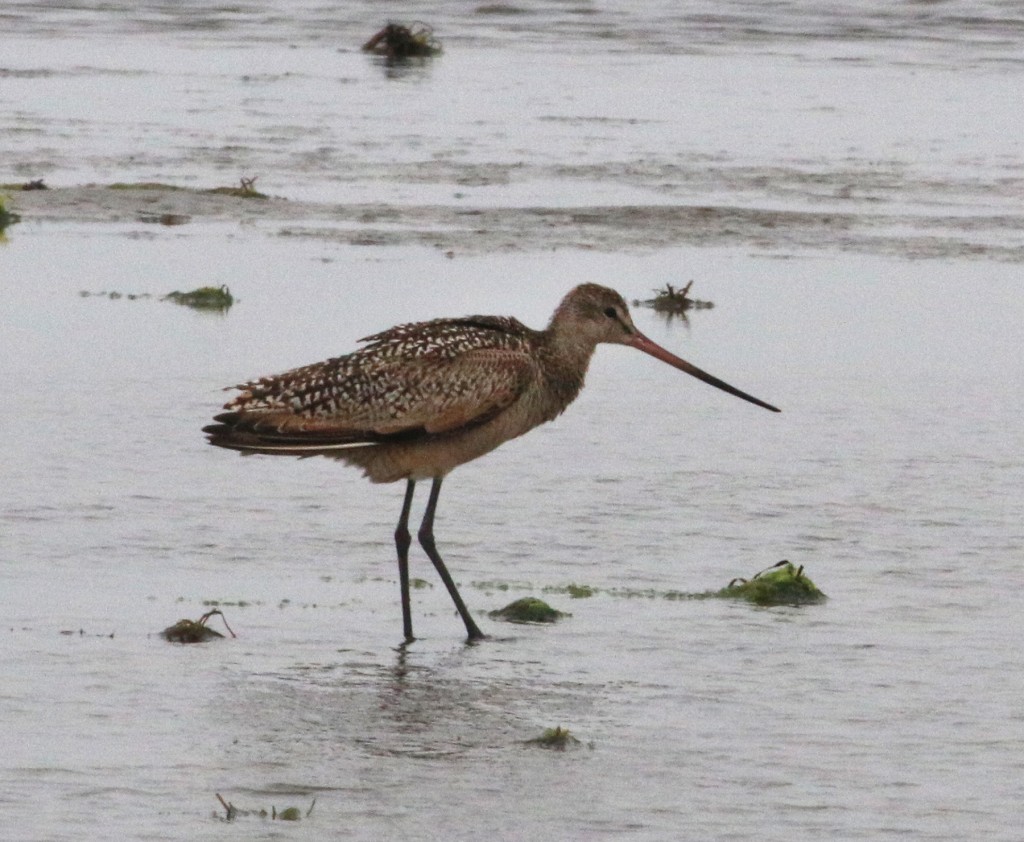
<point x="424" y="378"/>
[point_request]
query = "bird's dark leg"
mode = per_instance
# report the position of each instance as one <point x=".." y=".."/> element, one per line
<point x="426" y="536"/>
<point x="402" y="541"/>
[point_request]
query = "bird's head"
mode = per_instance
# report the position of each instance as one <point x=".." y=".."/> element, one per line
<point x="592" y="313"/>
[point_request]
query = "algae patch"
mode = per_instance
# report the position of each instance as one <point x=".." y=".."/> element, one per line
<point x="204" y="298"/>
<point x="142" y="185"/>
<point x="557" y="738"/>
<point x="288" y="814"/>
<point x="781" y="584"/>
<point x="246" y="188"/>
<point x="7" y="217"/>
<point x="528" y="609"/>
<point x="217" y="299"/>
<point x="572" y="590"/>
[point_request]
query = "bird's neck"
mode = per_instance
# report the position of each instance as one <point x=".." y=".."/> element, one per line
<point x="564" y="358"/>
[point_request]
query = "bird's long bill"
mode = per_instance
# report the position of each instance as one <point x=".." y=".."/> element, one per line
<point x="642" y="343"/>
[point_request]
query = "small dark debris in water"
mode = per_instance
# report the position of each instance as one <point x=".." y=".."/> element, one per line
<point x="557" y="738"/>
<point x="203" y="298"/>
<point x="672" y="300"/>
<point x="288" y="814"/>
<point x="195" y="631"/>
<point x="573" y="590"/>
<point x="35" y="184"/>
<point x="781" y="584"/>
<point x="84" y="633"/>
<point x="528" y="609"/>
<point x="114" y="295"/>
<point x="500" y="9"/>
<point x="165" y="218"/>
<point x="398" y="41"/>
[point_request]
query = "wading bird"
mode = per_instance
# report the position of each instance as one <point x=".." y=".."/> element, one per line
<point x="420" y="399"/>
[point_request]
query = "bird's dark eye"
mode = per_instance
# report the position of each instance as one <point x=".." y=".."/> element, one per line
<point x="610" y="312"/>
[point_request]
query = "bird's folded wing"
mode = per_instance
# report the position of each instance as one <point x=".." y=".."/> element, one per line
<point x="440" y="395"/>
<point x="389" y="397"/>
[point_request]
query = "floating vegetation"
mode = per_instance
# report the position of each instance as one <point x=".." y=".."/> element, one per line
<point x="203" y="298"/>
<point x="672" y="300"/>
<point x="780" y="584"/>
<point x="557" y="738"/>
<point x="84" y="633"/>
<point x="141" y="185"/>
<point x="495" y="585"/>
<point x="114" y="295"/>
<point x="245" y="190"/>
<point x="7" y="217"/>
<point x="195" y="631"/>
<point x="398" y="41"/>
<point x="288" y="814"/>
<point x="573" y="591"/>
<point x="528" y="609"/>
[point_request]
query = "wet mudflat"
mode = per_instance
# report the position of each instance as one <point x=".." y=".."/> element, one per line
<point x="851" y="205"/>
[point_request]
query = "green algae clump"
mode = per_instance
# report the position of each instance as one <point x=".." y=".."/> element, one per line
<point x="780" y="584"/>
<point x="7" y="217"/>
<point x="557" y="738"/>
<point x="529" y="609"/>
<point x="204" y="298"/>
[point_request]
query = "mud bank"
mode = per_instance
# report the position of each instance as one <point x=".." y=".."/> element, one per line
<point x="475" y="229"/>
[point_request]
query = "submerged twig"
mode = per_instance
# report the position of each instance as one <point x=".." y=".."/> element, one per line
<point x="229" y="808"/>
<point x="203" y="620"/>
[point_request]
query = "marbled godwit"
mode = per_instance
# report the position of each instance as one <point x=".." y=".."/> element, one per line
<point x="421" y="399"/>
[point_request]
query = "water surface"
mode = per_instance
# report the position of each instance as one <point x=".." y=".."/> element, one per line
<point x="844" y="188"/>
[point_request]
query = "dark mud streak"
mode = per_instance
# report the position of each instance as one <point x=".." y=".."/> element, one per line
<point x="597" y="227"/>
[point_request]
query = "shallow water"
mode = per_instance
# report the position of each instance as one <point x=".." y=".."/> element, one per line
<point x="847" y="193"/>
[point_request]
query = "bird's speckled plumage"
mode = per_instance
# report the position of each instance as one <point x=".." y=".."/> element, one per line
<point x="421" y="398"/>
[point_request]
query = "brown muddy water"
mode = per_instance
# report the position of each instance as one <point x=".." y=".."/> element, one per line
<point x="845" y="187"/>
